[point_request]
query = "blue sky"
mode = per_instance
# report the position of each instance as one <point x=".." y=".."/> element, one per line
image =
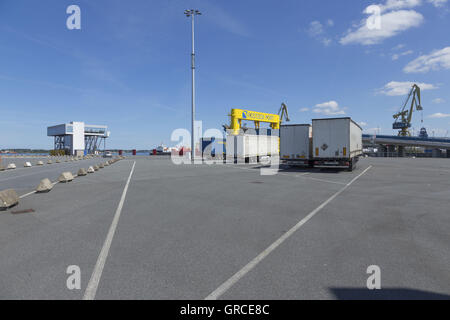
<point x="128" y="66"/>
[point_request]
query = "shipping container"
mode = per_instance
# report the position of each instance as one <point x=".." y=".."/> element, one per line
<point x="337" y="142"/>
<point x="251" y="147"/>
<point x="296" y="144"/>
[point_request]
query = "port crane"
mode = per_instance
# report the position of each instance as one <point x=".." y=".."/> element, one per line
<point x="283" y="113"/>
<point x="404" y="117"/>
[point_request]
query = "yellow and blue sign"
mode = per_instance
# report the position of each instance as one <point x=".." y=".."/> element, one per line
<point x="238" y="115"/>
<point x="258" y="116"/>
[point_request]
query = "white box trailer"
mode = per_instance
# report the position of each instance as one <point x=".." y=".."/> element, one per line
<point x="296" y="144"/>
<point x="337" y="142"/>
<point x="250" y="148"/>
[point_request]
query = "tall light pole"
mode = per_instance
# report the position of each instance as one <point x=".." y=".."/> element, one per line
<point x="192" y="13"/>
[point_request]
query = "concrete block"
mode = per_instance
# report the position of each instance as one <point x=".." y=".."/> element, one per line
<point x="106" y="164"/>
<point x="65" y="177"/>
<point x="45" y="186"/>
<point x="96" y="168"/>
<point x="27" y="164"/>
<point x="11" y="166"/>
<point x="90" y="169"/>
<point x="49" y="162"/>
<point x="8" y="199"/>
<point x="58" y="161"/>
<point x="101" y="166"/>
<point x="40" y="163"/>
<point x="82" y="172"/>
<point x="2" y="168"/>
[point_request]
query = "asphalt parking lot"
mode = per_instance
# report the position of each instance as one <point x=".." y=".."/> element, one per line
<point x="22" y="178"/>
<point x="145" y="228"/>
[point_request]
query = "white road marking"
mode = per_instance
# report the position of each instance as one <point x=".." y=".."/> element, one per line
<point x="92" y="286"/>
<point x="25" y="175"/>
<point x="252" y="264"/>
<point x="327" y="181"/>
<point x="27" y="194"/>
<point x="31" y="173"/>
<point x="303" y="174"/>
<point x="33" y="192"/>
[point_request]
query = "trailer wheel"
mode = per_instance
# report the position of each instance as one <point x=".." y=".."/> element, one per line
<point x="351" y="166"/>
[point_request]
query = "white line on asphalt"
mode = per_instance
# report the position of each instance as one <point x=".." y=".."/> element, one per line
<point x="27" y="194"/>
<point x="92" y="286"/>
<point x="29" y="174"/>
<point x="33" y="192"/>
<point x="252" y="264"/>
<point x="327" y="181"/>
<point x="25" y="175"/>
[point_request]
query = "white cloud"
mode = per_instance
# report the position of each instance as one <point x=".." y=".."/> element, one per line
<point x="438" y="100"/>
<point x="436" y="60"/>
<point x="362" y="123"/>
<point x="396" y="16"/>
<point x="437" y="3"/>
<point x="408" y="4"/>
<point x="326" y="42"/>
<point x="396" y="88"/>
<point x="330" y="108"/>
<point x="398" y="47"/>
<point x="392" y="23"/>
<point x="317" y="30"/>
<point x="304" y="109"/>
<point x="439" y="115"/>
<point x="398" y="55"/>
<point x="400" y="4"/>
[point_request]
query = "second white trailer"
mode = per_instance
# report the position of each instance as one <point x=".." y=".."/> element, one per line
<point x="337" y="142"/>
<point x="296" y="144"/>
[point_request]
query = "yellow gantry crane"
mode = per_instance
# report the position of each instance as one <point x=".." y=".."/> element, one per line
<point x="239" y="115"/>
<point x="404" y="117"/>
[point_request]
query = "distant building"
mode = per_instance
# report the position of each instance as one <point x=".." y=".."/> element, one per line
<point x="78" y="138"/>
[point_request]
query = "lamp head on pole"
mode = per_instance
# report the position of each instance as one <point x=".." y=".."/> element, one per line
<point x="192" y="12"/>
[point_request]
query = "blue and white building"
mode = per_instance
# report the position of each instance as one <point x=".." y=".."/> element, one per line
<point x="78" y="138"/>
